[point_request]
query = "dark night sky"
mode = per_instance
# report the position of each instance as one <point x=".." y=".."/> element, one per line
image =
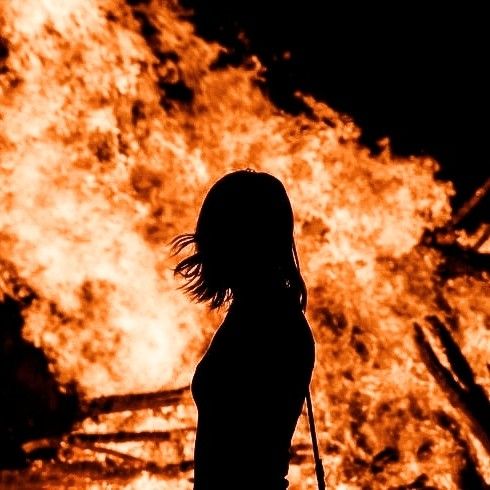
<point x="405" y="71"/>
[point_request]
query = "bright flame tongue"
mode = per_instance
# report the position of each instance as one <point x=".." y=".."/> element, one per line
<point x="97" y="176"/>
<point x="72" y="221"/>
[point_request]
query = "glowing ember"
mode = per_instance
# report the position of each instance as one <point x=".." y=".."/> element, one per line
<point x="113" y="127"/>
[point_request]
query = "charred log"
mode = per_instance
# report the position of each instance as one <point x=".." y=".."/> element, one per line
<point x="123" y="436"/>
<point x="469" y="475"/>
<point x="96" y="438"/>
<point x="457" y="260"/>
<point x="477" y="197"/>
<point x="383" y="458"/>
<point x="459" y="381"/>
<point x="139" y="401"/>
<point x="464" y="393"/>
<point x="36" y="446"/>
<point x="113" y="469"/>
<point x="139" y="464"/>
<point x="483" y="237"/>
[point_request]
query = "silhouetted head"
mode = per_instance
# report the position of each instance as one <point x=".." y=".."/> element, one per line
<point x="243" y="241"/>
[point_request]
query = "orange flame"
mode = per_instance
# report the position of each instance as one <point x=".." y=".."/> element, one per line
<point x="100" y="167"/>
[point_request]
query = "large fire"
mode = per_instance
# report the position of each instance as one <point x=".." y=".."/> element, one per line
<point x="113" y="125"/>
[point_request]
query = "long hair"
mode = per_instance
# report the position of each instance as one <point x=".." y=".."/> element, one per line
<point x="244" y="232"/>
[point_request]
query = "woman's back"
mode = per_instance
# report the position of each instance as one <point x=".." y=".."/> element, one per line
<point x="249" y="389"/>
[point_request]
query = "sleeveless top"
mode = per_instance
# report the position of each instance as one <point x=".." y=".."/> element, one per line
<point x="249" y="389"/>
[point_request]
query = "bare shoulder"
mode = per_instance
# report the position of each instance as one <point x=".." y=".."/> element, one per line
<point x="280" y="322"/>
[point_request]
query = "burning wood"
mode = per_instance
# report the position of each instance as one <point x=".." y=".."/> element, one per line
<point x="469" y="474"/>
<point x="483" y="237"/>
<point x="458" y="382"/>
<point x="113" y="404"/>
<point x="446" y="235"/>
<point x="49" y="448"/>
<point x="471" y="203"/>
<point x="121" y="436"/>
<point x="138" y="401"/>
<point x="124" y="436"/>
<point x="122" y="112"/>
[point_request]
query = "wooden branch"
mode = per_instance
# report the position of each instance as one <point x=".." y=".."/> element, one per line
<point x="110" y="404"/>
<point x="471" y="203"/>
<point x="140" y="463"/>
<point x="91" y="438"/>
<point x="459" y="382"/>
<point x="445" y="236"/>
<point x="459" y="364"/>
<point x="469" y="473"/>
<point x="124" y="436"/>
<point x="172" y="469"/>
<point x="140" y="401"/>
<point x="483" y="238"/>
<point x="92" y="442"/>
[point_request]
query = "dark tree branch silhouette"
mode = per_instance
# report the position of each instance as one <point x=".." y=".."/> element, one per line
<point x="458" y="382"/>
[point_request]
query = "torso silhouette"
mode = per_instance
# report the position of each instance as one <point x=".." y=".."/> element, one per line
<point x="249" y="389"/>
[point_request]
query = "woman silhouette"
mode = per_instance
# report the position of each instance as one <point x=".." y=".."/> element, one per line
<point x="250" y="386"/>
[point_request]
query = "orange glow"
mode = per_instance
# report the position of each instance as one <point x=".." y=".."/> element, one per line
<point x="100" y="167"/>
